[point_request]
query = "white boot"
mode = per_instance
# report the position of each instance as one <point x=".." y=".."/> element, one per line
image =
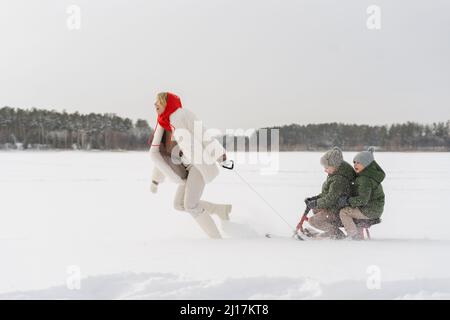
<point x="208" y="225"/>
<point x="221" y="210"/>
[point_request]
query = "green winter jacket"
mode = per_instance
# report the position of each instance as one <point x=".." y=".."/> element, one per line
<point x="368" y="192"/>
<point x="337" y="184"/>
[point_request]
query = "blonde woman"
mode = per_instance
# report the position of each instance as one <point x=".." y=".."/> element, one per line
<point x="187" y="159"/>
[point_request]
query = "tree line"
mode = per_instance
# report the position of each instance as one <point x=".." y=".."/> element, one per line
<point x="44" y="129"/>
<point x="50" y="129"/>
<point x="408" y="136"/>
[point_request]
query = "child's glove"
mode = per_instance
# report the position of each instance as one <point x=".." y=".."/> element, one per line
<point x="311" y="199"/>
<point x="312" y="204"/>
<point x="343" y="202"/>
<point x="154" y="187"/>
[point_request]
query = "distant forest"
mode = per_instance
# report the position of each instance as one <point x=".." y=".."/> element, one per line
<point x="44" y="129"/>
<point x="408" y="136"/>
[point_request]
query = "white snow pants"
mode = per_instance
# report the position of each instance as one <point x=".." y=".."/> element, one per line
<point x="188" y="198"/>
<point x="189" y="193"/>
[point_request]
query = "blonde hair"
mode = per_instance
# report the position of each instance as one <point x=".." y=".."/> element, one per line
<point x="162" y="98"/>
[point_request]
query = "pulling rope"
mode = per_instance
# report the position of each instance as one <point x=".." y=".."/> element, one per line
<point x="265" y="201"/>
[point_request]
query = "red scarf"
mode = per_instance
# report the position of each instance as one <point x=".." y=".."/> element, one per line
<point x="173" y="104"/>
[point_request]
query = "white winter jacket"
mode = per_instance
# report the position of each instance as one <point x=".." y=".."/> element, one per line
<point x="199" y="149"/>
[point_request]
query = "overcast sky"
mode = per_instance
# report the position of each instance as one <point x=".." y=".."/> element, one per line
<point x="235" y="63"/>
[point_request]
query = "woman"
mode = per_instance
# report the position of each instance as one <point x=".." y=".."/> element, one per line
<point x="185" y="155"/>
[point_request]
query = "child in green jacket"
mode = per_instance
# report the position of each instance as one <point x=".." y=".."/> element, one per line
<point x="338" y="184"/>
<point x="368" y="199"/>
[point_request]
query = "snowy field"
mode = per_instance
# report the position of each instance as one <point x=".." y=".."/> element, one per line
<point x="92" y="212"/>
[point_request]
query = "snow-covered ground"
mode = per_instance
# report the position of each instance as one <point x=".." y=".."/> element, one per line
<point x="92" y="212"/>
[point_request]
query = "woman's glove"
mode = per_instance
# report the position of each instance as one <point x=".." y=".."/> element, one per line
<point x="154" y="187"/>
<point x="227" y="164"/>
<point x="224" y="162"/>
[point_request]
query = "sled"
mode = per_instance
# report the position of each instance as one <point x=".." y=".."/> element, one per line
<point x="363" y="225"/>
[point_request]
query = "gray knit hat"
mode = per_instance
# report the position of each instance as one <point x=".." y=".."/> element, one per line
<point x="365" y="157"/>
<point x="332" y="158"/>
